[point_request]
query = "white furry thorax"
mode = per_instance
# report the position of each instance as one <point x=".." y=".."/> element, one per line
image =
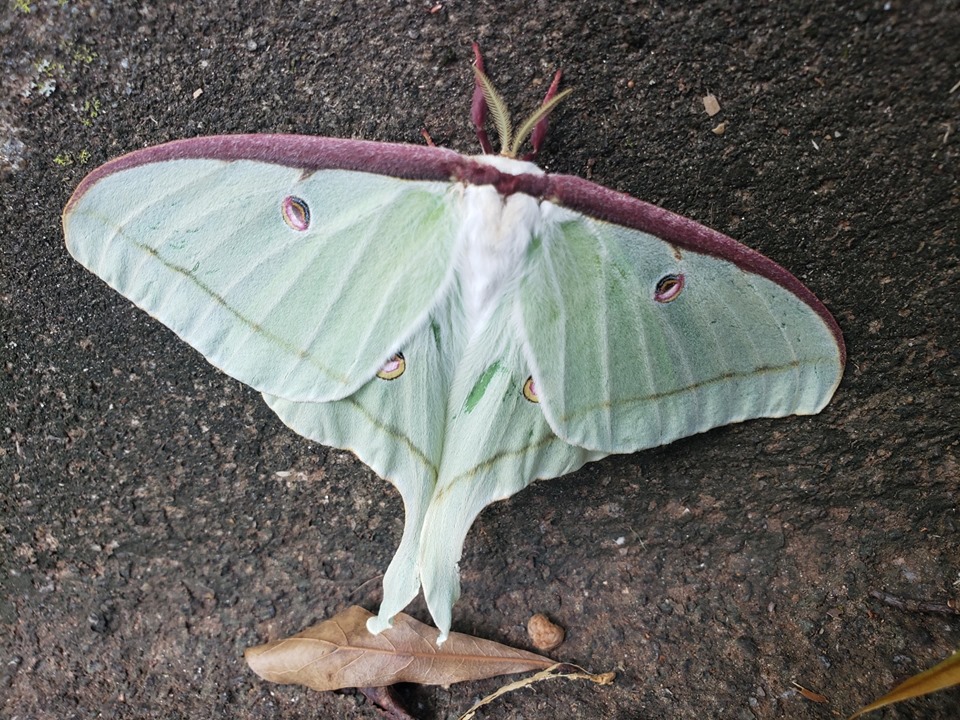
<point x="493" y="240"/>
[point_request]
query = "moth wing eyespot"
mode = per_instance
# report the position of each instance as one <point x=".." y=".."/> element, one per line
<point x="296" y="213"/>
<point x="393" y="368"/>
<point x="530" y="390"/>
<point x="668" y="288"/>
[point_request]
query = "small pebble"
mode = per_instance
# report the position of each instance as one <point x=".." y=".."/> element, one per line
<point x="544" y="634"/>
<point x="711" y="105"/>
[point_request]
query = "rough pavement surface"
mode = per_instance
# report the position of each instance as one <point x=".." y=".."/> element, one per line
<point x="156" y="518"/>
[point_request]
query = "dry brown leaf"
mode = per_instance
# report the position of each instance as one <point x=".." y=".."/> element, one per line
<point x="340" y="653"/>
<point x="939" y="677"/>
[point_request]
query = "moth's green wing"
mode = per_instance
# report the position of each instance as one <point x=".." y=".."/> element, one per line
<point x="497" y="442"/>
<point x="310" y="315"/>
<point x="396" y="426"/>
<point x="620" y="371"/>
<point x="453" y="434"/>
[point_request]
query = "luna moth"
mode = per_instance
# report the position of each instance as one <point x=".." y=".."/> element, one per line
<point x="465" y="325"/>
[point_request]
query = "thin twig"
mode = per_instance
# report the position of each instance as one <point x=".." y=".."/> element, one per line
<point x="914" y="605"/>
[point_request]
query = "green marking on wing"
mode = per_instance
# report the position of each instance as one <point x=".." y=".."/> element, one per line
<point x="480" y="387"/>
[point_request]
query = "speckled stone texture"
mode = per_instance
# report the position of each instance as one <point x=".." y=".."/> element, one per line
<point x="156" y="518"/>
